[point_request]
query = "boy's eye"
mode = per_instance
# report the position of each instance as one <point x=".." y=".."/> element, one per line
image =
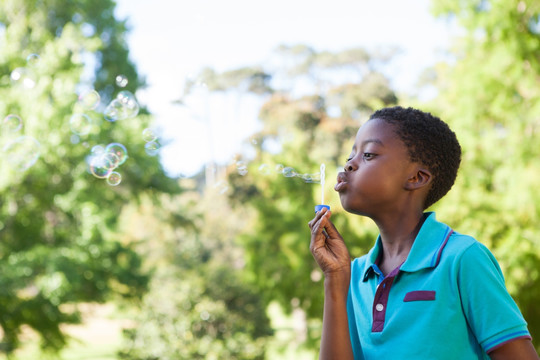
<point x="368" y="156"/>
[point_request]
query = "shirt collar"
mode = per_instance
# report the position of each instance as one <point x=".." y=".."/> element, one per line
<point x="425" y="252"/>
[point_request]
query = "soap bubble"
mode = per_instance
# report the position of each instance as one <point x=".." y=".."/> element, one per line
<point x="264" y="169"/>
<point x="23" y="76"/>
<point x="119" y="150"/>
<point x="311" y="178"/>
<point x="125" y="96"/>
<point x="148" y="135"/>
<point x="97" y="150"/>
<point x="22" y="153"/>
<point x="122" y="107"/>
<point x="110" y="160"/>
<point x="151" y="148"/>
<point x="89" y="99"/>
<point x="114" y="178"/>
<point x="121" y="80"/>
<point x="103" y="160"/>
<point x="242" y="171"/>
<point x="114" y="111"/>
<point x="12" y="123"/>
<point x="32" y="59"/>
<point x="194" y="85"/>
<point x="99" y="167"/>
<point x="221" y="186"/>
<point x="80" y="124"/>
<point x="289" y="172"/>
<point x="101" y="164"/>
<point x="131" y="107"/>
<point x="241" y="168"/>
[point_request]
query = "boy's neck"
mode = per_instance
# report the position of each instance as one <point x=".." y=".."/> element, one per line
<point x="397" y="237"/>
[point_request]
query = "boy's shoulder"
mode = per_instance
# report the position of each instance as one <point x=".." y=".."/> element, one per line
<point x="461" y="244"/>
<point x="458" y="247"/>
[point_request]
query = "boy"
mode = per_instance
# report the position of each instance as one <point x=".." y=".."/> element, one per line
<point x="424" y="291"/>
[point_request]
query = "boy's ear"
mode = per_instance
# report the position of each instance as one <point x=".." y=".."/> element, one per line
<point x="421" y="177"/>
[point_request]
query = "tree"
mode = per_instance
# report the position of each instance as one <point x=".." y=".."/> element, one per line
<point x="59" y="242"/>
<point x="315" y="102"/>
<point x="490" y="96"/>
<point x="197" y="307"/>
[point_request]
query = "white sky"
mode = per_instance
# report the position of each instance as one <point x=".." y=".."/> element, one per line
<point x="172" y="39"/>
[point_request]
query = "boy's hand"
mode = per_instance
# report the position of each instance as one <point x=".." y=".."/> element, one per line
<point x="327" y="245"/>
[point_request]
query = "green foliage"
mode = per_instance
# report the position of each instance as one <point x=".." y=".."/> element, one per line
<point x="297" y="123"/>
<point x="198" y="306"/>
<point x="212" y="270"/>
<point x="254" y="80"/>
<point x="490" y="96"/>
<point x="183" y="318"/>
<point x="59" y="243"/>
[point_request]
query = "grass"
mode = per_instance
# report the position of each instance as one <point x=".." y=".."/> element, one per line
<point x="98" y="338"/>
<point x="74" y="351"/>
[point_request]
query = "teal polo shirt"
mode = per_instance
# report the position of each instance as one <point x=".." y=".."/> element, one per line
<point x="446" y="301"/>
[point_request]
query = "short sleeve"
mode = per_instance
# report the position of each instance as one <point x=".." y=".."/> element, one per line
<point x="492" y="314"/>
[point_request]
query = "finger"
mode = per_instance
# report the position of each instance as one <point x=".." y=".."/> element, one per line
<point x="319" y="222"/>
<point x="317" y="217"/>
<point x="324" y="219"/>
<point x="316" y="228"/>
<point x="318" y="237"/>
<point x="330" y="227"/>
<point x="317" y="242"/>
<point x="332" y="234"/>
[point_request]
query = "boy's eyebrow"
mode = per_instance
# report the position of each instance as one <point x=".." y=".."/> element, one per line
<point x="376" y="141"/>
<point x="365" y="142"/>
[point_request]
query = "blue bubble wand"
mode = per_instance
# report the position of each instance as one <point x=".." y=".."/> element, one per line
<point x="321" y="205"/>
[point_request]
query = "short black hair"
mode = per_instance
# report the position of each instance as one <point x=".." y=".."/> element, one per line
<point x="430" y="142"/>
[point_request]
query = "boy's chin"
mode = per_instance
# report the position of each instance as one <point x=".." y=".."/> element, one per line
<point x="347" y="206"/>
<point x="352" y="208"/>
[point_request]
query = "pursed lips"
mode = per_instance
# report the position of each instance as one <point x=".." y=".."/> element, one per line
<point x="341" y="182"/>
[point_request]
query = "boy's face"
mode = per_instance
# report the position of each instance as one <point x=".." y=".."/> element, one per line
<point x="374" y="178"/>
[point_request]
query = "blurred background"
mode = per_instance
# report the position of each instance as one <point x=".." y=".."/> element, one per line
<point x="160" y="161"/>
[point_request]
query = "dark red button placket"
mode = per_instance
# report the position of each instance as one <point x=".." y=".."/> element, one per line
<point x="381" y="301"/>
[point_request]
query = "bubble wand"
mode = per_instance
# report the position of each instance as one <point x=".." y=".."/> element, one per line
<point x="321" y="206"/>
<point x="322" y="182"/>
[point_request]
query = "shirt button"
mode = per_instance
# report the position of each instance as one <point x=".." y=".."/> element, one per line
<point x="379" y="307"/>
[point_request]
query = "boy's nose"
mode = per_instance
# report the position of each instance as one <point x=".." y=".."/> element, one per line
<point x="349" y="167"/>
